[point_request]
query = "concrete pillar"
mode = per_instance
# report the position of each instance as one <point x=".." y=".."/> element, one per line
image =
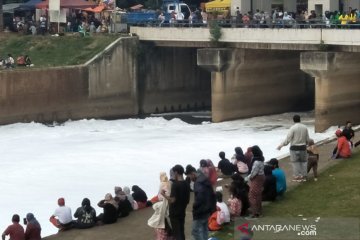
<point x="247" y="83"/>
<point x="336" y="87"/>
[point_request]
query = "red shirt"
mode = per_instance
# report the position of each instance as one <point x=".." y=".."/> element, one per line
<point x="16" y="232"/>
<point x="343" y="147"/>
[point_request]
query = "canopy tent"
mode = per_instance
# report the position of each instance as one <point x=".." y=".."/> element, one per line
<point x="69" y="4"/>
<point x="30" y="5"/>
<point x="217" y="5"/>
<point x="97" y="9"/>
<point x="9" y="8"/>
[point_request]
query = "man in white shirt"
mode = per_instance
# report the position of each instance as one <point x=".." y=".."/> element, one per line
<point x="62" y="217"/>
<point x="9" y="61"/>
<point x="298" y="137"/>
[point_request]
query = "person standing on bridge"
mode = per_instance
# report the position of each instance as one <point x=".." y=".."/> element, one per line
<point x="298" y="137"/>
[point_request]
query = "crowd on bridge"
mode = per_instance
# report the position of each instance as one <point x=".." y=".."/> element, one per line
<point x="263" y="19"/>
<point x="253" y="180"/>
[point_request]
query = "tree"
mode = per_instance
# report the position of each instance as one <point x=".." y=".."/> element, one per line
<point x="1" y="16"/>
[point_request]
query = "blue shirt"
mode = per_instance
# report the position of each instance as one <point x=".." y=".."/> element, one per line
<point x="280" y="180"/>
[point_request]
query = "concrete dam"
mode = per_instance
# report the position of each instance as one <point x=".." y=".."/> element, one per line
<point x="133" y="76"/>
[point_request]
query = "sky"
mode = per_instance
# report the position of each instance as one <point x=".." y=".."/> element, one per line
<point x="87" y="158"/>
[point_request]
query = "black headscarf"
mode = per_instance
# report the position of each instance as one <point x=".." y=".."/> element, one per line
<point x="31" y="219"/>
<point x="86" y="205"/>
<point x="239" y="153"/>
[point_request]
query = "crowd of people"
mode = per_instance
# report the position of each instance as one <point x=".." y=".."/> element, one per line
<point x="300" y="19"/>
<point x="252" y="181"/>
<point x="9" y="62"/>
<point x="78" y="21"/>
<point x="263" y="19"/>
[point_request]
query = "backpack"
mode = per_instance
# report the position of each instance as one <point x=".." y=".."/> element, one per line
<point x="242" y="167"/>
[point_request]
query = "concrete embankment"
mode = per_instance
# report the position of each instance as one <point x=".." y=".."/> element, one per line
<point x="92" y="90"/>
<point x="135" y="226"/>
<point x="125" y="79"/>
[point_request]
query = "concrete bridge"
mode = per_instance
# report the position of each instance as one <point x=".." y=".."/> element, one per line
<point x="255" y="72"/>
<point x="265" y="71"/>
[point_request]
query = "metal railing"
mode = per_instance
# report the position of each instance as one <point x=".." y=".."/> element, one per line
<point x="232" y="23"/>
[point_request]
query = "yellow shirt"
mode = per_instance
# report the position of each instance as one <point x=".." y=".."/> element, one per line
<point x="352" y="17"/>
<point x="344" y="19"/>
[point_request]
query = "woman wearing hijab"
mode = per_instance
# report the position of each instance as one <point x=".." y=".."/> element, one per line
<point x="86" y="215"/>
<point x="257" y="179"/>
<point x="124" y="206"/>
<point x="33" y="228"/>
<point x="110" y="207"/>
<point x="160" y="219"/>
<point x="139" y="196"/>
<point x="165" y="185"/>
<point x="212" y="173"/>
<point x="130" y="197"/>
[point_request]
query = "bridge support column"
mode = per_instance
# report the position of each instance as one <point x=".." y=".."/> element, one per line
<point x="248" y="83"/>
<point x="336" y="86"/>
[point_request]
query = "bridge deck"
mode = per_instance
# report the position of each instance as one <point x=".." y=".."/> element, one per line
<point x="256" y="38"/>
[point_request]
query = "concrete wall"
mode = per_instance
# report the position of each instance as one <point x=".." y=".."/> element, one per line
<point x="290" y="5"/>
<point x="262" y="5"/>
<point x="112" y="73"/>
<point x="337" y="87"/>
<point x="41" y="95"/>
<point x="96" y="90"/>
<point x="258" y="82"/>
<point x="354" y="4"/>
<point x="170" y="80"/>
<point x="243" y="5"/>
<point x="328" y="5"/>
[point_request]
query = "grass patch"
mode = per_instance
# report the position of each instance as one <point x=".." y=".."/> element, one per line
<point x="48" y="51"/>
<point x="335" y="194"/>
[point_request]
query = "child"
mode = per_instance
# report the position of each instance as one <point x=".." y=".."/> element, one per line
<point x="313" y="158"/>
<point x="234" y="203"/>
<point x="221" y="216"/>
<point x="279" y="175"/>
<point x="224" y="208"/>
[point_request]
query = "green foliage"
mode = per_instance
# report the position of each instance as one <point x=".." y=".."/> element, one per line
<point x="46" y="51"/>
<point x="323" y="47"/>
<point x="215" y="32"/>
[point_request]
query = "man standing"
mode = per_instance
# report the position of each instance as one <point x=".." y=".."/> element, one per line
<point x="178" y="200"/>
<point x="62" y="217"/>
<point x="204" y="203"/>
<point x="15" y="230"/>
<point x="298" y="137"/>
<point x="348" y="132"/>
